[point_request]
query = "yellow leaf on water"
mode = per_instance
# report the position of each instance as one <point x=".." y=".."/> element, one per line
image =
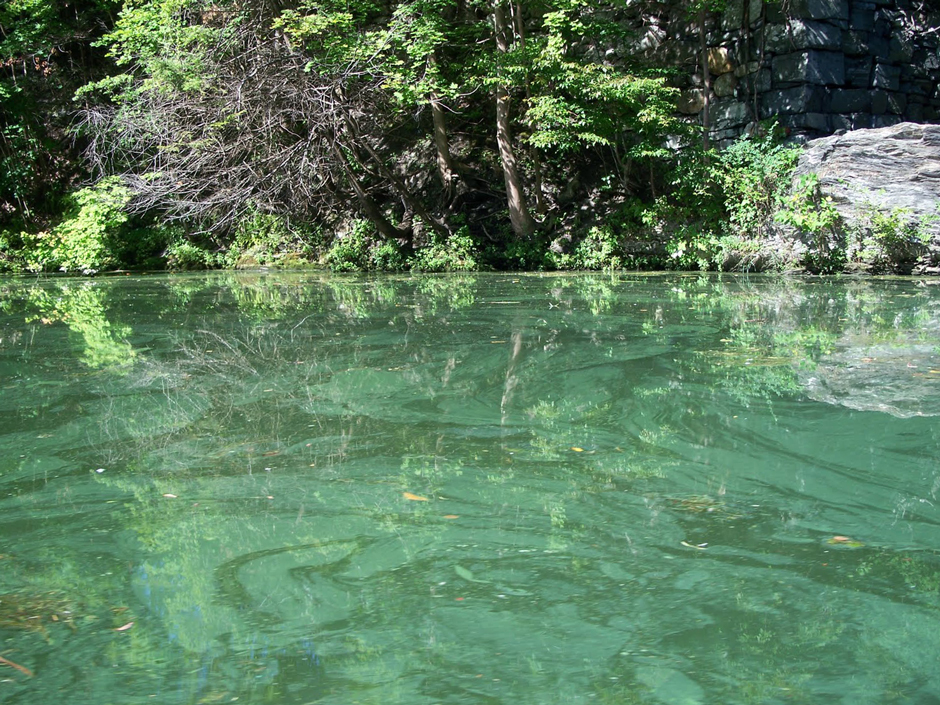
<point x="415" y="497"/>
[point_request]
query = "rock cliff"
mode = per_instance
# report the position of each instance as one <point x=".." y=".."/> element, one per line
<point x="889" y="176"/>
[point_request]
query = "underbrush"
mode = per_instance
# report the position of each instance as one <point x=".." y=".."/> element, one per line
<point x="733" y="209"/>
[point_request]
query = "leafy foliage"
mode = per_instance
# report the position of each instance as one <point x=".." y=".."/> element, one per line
<point x="44" y="54"/>
<point x="457" y="253"/>
<point x="817" y="219"/>
<point x="252" y="133"/>
<point x="755" y="178"/>
<point x="887" y="240"/>
<point x="265" y="239"/>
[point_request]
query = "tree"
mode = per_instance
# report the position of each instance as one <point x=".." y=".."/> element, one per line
<point x="299" y="108"/>
<point x="523" y="224"/>
<point x="45" y="53"/>
<point x="222" y="114"/>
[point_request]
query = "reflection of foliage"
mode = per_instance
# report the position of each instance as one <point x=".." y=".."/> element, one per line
<point x="260" y="455"/>
<point x="427" y="472"/>
<point x="918" y="571"/>
<point x="358" y="298"/>
<point x="775" y="330"/>
<point x="81" y="306"/>
<point x="597" y="293"/>
<point x="53" y="593"/>
<point x="445" y="293"/>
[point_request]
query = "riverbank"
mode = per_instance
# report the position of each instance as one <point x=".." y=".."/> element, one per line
<point x="862" y="202"/>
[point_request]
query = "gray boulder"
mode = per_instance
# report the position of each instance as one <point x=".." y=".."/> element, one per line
<point x="886" y="168"/>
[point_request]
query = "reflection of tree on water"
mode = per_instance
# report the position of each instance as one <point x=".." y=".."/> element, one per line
<point x="259" y="389"/>
<point x="82" y="306"/>
<point x="260" y="458"/>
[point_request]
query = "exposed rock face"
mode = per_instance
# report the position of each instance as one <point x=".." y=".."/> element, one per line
<point x="886" y="169"/>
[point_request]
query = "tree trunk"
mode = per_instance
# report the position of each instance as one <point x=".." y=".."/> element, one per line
<point x="404" y="192"/>
<point x="522" y="222"/>
<point x="369" y="207"/>
<point x="445" y="162"/>
<point x="536" y="158"/>
<point x="706" y="81"/>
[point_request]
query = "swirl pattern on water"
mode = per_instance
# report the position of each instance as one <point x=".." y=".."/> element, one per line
<point x="619" y="489"/>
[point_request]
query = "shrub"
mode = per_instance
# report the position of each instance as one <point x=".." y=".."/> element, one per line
<point x="519" y="255"/>
<point x="266" y="239"/>
<point x="818" y="221"/>
<point x="693" y="247"/>
<point x="754" y="174"/>
<point x="89" y="238"/>
<point x="350" y="252"/>
<point x="184" y="255"/>
<point x="387" y="256"/>
<point x="456" y="253"/>
<point x="887" y="240"/>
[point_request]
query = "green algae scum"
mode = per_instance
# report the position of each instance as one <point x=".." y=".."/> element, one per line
<point x="521" y="489"/>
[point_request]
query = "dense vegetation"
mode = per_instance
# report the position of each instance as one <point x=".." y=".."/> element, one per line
<point x="364" y="135"/>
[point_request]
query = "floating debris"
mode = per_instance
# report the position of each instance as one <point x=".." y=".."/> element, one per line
<point x="703" y="504"/>
<point x="18" y="667"/>
<point x="32" y="613"/>
<point x="698" y="546"/>
<point x="844" y="541"/>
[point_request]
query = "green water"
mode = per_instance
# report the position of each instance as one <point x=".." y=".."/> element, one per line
<point x="490" y="489"/>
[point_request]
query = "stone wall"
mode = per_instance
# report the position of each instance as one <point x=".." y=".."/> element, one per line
<point x="820" y="66"/>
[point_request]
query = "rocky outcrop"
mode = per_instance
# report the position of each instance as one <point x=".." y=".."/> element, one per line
<point x="883" y="178"/>
<point x="887" y="168"/>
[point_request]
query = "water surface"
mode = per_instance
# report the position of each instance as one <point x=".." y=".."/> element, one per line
<point x="273" y="488"/>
